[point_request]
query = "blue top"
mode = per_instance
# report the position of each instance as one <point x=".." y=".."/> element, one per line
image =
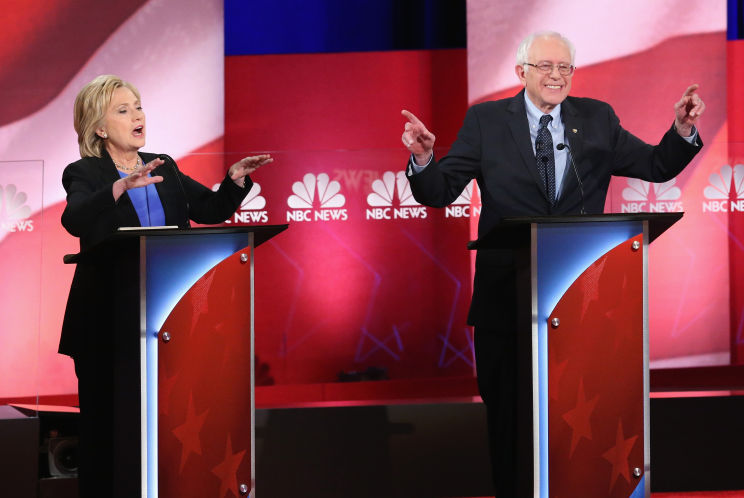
<point x="147" y="203"/>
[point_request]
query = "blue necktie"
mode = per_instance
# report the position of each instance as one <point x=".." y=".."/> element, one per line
<point x="545" y="157"/>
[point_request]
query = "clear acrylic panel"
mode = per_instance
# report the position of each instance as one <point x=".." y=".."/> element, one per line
<point x="21" y="218"/>
<point x="366" y="283"/>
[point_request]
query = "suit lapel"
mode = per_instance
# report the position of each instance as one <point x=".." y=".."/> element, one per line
<point x="520" y="130"/>
<point x="574" y="126"/>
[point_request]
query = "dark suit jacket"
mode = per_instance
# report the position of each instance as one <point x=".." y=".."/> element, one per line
<point x="494" y="148"/>
<point x="91" y="214"/>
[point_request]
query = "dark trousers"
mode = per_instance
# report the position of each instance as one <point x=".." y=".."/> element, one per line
<point x="496" y="352"/>
<point x="109" y="451"/>
<point x="95" y="470"/>
<point x="104" y="341"/>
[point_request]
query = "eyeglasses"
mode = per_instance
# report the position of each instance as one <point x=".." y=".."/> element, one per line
<point x="547" y="68"/>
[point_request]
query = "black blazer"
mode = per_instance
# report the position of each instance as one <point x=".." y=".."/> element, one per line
<point x="91" y="214"/>
<point x="494" y="148"/>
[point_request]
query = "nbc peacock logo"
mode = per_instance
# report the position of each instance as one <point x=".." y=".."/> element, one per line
<point x="14" y="212"/>
<point x="382" y="200"/>
<point x="316" y="199"/>
<point x="252" y="208"/>
<point x="725" y="192"/>
<point x="643" y="197"/>
<point x="463" y="206"/>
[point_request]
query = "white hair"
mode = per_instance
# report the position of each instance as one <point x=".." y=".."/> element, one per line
<point x="524" y="47"/>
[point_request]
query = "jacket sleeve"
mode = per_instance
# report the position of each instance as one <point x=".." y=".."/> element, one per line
<point x="209" y="207"/>
<point x="654" y="163"/>
<point x="86" y="202"/>
<point x="440" y="183"/>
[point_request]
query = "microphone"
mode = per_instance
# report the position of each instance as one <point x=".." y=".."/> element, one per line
<point x="562" y="146"/>
<point x="169" y="160"/>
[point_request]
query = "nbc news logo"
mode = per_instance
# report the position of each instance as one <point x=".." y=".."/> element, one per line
<point x="14" y="211"/>
<point x="329" y="200"/>
<point x="252" y="208"/>
<point x="725" y="192"/>
<point x="461" y="207"/>
<point x="644" y="197"/>
<point x="384" y="192"/>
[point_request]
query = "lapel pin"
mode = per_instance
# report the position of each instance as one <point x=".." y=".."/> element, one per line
<point x="575" y="130"/>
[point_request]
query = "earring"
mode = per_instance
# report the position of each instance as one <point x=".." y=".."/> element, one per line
<point x="104" y="135"/>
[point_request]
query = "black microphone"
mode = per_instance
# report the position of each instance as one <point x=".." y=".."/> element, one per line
<point x="576" y="172"/>
<point x="169" y="160"/>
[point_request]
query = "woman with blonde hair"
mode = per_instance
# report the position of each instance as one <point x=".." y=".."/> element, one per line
<point x="115" y="185"/>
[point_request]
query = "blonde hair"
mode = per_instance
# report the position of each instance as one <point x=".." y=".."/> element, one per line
<point x="90" y="108"/>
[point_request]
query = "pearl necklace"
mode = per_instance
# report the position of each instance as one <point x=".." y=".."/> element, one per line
<point x="127" y="169"/>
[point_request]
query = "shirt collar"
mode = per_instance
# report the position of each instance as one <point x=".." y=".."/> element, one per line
<point x="534" y="114"/>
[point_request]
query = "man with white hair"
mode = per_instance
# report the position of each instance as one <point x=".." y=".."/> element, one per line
<point x="510" y="147"/>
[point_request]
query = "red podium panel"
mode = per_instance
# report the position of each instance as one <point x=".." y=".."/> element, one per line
<point x="595" y="378"/>
<point x="205" y="388"/>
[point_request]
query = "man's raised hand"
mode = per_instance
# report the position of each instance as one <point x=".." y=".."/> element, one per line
<point x="688" y="110"/>
<point x="417" y="139"/>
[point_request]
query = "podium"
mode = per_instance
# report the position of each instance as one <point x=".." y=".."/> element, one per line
<point x="582" y="320"/>
<point x="183" y="404"/>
